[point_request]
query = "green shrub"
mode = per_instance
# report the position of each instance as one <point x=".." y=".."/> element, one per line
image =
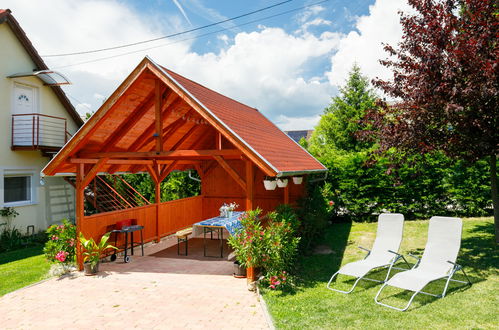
<point x="248" y="242"/>
<point x="313" y="215"/>
<point x="10" y="239"/>
<point x="61" y="244"/>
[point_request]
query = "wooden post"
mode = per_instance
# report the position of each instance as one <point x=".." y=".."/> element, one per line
<point x="80" y="173"/>
<point x="250" y="178"/>
<point x="158" y="117"/>
<point x="158" y="201"/>
<point x="286" y="193"/>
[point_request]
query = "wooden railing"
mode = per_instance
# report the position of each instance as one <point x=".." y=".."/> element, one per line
<point x="173" y="215"/>
<point x="38" y="131"/>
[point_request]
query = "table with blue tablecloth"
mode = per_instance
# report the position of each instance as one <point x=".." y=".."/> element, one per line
<point x="231" y="223"/>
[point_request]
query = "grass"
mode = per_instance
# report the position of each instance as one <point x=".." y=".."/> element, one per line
<point x="22" y="267"/>
<point x="312" y="306"/>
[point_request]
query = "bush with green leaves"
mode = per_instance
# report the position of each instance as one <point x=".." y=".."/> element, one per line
<point x="248" y="242"/>
<point x="280" y="245"/>
<point x="61" y="244"/>
<point x="313" y="215"/>
<point x="10" y="239"/>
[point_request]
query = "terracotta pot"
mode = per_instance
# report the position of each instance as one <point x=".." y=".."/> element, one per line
<point x="251" y="274"/>
<point x="89" y="269"/>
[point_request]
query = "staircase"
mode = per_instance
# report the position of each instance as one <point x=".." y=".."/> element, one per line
<point x="109" y="193"/>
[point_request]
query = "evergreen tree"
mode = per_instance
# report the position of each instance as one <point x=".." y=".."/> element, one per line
<point x="341" y="118"/>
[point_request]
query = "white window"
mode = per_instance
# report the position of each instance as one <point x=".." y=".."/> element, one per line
<point x="17" y="189"/>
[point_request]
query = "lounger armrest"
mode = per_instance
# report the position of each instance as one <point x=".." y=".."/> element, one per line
<point x="415" y="257"/>
<point x="455" y="265"/>
<point x="391" y="251"/>
<point x="363" y="248"/>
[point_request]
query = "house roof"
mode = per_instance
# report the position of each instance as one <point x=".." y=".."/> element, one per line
<point x="192" y="116"/>
<point x="7" y="17"/>
<point x="272" y="144"/>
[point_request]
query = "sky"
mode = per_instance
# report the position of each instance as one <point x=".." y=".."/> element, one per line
<point x="287" y="61"/>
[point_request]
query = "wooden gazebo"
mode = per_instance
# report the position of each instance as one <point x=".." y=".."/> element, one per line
<point x="158" y="121"/>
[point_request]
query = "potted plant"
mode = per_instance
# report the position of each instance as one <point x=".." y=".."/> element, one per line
<point x="282" y="182"/>
<point x="247" y="243"/>
<point x="297" y="179"/>
<point x="270" y="183"/>
<point x="93" y="251"/>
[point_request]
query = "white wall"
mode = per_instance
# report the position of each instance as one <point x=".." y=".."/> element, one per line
<point x="55" y="199"/>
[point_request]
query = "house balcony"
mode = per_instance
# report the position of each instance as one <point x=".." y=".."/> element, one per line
<point x="36" y="131"/>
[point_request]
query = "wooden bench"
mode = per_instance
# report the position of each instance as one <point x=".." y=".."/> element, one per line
<point x="182" y="236"/>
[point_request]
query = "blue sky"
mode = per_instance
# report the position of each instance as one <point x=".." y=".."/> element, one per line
<point x="288" y="66"/>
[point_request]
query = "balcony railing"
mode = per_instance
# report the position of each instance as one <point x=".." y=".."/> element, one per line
<point x="38" y="132"/>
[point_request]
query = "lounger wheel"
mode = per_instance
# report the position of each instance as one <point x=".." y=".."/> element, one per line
<point x="127" y="259"/>
<point x="113" y="257"/>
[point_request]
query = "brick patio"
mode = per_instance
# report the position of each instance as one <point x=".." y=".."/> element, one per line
<point x="158" y="291"/>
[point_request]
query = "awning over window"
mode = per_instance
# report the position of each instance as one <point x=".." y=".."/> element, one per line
<point x="49" y="77"/>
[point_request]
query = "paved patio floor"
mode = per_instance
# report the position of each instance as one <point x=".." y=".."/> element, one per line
<point x="158" y="291"/>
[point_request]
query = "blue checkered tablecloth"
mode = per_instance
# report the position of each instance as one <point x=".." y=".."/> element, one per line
<point x="231" y="224"/>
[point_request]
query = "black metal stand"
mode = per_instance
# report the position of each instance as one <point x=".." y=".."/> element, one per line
<point x="128" y="230"/>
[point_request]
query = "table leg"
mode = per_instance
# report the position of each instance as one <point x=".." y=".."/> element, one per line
<point x="221" y="242"/>
<point x="204" y="241"/>
<point x="142" y="242"/>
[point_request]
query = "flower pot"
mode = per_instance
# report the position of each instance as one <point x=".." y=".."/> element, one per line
<point x="297" y="179"/>
<point x="250" y="274"/>
<point x="281" y="183"/>
<point x="270" y="184"/>
<point x="90" y="269"/>
<point x="239" y="270"/>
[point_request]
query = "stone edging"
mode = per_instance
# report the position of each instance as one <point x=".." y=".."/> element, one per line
<point x="263" y="305"/>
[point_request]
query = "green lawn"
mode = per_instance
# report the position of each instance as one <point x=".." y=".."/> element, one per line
<point x="312" y="306"/>
<point x="22" y="267"/>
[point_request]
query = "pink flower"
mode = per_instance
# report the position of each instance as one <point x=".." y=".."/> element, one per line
<point x="272" y="286"/>
<point x="331" y="203"/>
<point x="61" y="256"/>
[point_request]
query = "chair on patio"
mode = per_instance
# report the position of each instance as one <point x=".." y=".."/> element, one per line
<point x="438" y="261"/>
<point x="384" y="252"/>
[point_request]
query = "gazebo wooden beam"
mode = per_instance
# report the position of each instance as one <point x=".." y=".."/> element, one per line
<point x="147" y="136"/>
<point x="130" y="161"/>
<point x="153" y="154"/>
<point x="158" y="118"/>
<point x="93" y="172"/>
<point x="167" y="170"/>
<point x="185" y="137"/>
<point x="128" y="123"/>
<point x="231" y="171"/>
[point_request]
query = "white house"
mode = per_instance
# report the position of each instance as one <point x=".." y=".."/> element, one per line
<point x="36" y="119"/>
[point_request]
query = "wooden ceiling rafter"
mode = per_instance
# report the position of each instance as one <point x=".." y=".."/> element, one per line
<point x="128" y="123"/>
<point x="233" y="173"/>
<point x="147" y="136"/>
<point x="187" y="153"/>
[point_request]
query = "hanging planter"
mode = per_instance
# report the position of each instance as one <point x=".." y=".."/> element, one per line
<point x="270" y="183"/>
<point x="297" y="179"/>
<point x="282" y="183"/>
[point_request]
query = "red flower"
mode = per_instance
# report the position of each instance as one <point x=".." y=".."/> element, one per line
<point x="331" y="203"/>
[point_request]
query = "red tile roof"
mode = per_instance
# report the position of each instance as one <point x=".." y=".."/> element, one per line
<point x="253" y="128"/>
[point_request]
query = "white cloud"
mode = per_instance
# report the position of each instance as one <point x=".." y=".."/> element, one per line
<point x="365" y="45"/>
<point x="296" y="123"/>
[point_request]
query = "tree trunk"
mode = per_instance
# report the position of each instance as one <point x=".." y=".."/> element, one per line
<point x="495" y="196"/>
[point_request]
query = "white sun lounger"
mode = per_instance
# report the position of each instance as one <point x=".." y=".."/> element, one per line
<point x="384" y="252"/>
<point x="438" y="261"/>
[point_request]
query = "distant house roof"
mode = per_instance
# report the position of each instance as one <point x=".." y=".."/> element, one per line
<point x="127" y="117"/>
<point x="298" y="135"/>
<point x="6" y="17"/>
